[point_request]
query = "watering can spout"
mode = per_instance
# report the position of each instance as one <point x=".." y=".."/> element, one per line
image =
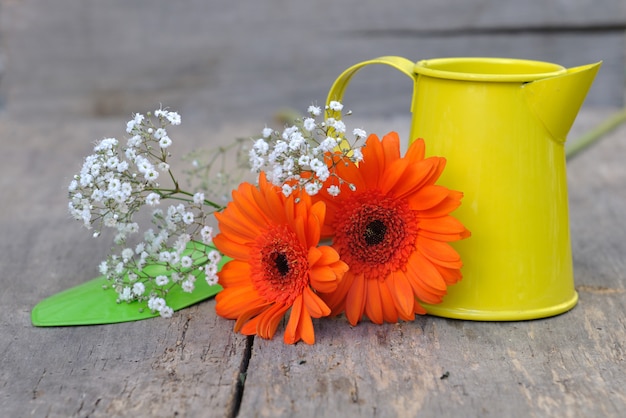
<point x="557" y="100"/>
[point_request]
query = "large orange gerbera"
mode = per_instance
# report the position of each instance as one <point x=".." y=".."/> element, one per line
<point x="393" y="232"/>
<point x="276" y="264"/>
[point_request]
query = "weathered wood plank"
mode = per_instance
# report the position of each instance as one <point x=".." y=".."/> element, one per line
<point x="571" y="365"/>
<point x="187" y="366"/>
<point x="225" y="61"/>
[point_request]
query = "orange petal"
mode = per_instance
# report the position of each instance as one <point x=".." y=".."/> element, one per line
<point x="373" y="161"/>
<point x="232" y="302"/>
<point x="316" y="216"/>
<point x="423" y="292"/>
<point x="450" y="276"/>
<point x="234" y="273"/>
<point x="336" y="300"/>
<point x="373" y="306"/>
<point x="425" y="279"/>
<point x="323" y="279"/>
<point x="402" y="293"/>
<point x="265" y="324"/>
<point x="443" y="225"/>
<point x="428" y="197"/>
<point x="394" y="174"/>
<point x="416" y="150"/>
<point x="323" y="255"/>
<point x="316" y="306"/>
<point x="439" y="252"/>
<point x="419" y="309"/>
<point x="231" y="248"/>
<point x="246" y="315"/>
<point x="414" y="177"/>
<point x="300" y="325"/>
<point x="391" y="148"/>
<point x="390" y="313"/>
<point x="439" y="165"/>
<point x="445" y="207"/>
<point x="355" y="300"/>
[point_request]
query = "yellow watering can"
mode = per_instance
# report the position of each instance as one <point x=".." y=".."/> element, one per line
<point x="501" y="124"/>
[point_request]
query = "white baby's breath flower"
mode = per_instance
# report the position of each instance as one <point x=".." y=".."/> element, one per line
<point x="210" y="272"/>
<point x="305" y="154"/>
<point x="357" y="155"/>
<point x="165" y="142"/>
<point x="261" y="146"/>
<point x="339" y="126"/>
<point x="165" y="256"/>
<point x="186" y="261"/>
<point x="139" y="289"/>
<point x="134" y="141"/>
<point x="161" y="280"/>
<point x="335" y="105"/>
<point x="188" y="286"/>
<point x="166" y="312"/>
<point x="214" y="256"/>
<point x="127" y="254"/>
<point x="267" y="132"/>
<point x="212" y="280"/>
<point x="312" y="188"/>
<point x="151" y="175"/>
<point x="174" y="118"/>
<point x="122" y="166"/>
<point x="287" y="190"/>
<point x="160" y="133"/>
<point x="156" y="304"/>
<point x="328" y="144"/>
<point x="188" y="218"/>
<point x="314" y="110"/>
<point x="333" y="190"/>
<point x="198" y="198"/>
<point x="207" y="234"/>
<point x="125" y="295"/>
<point x="309" y="124"/>
<point x="359" y="133"/>
<point x="153" y="199"/>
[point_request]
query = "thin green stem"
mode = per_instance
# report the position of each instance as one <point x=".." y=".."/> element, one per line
<point x="574" y="147"/>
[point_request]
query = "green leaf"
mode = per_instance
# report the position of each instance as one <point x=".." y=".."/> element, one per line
<point x="90" y="304"/>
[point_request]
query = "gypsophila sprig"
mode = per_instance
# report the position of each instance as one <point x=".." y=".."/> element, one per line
<point x="115" y="183"/>
<point x="304" y="155"/>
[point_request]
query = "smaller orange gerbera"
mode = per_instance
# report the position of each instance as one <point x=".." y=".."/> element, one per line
<point x="277" y="264"/>
<point x="393" y="232"/>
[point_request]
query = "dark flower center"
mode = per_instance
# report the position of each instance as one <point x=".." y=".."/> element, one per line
<point x="279" y="265"/>
<point x="375" y="232"/>
<point x="282" y="264"/>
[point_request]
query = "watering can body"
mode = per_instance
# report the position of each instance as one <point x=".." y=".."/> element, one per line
<point x="501" y="124"/>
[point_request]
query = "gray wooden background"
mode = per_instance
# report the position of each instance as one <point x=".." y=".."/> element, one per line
<point x="72" y="72"/>
<point x="228" y="60"/>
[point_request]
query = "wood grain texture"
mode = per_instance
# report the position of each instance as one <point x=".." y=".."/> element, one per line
<point x="71" y="77"/>
<point x="188" y="365"/>
<point x="571" y="365"/>
<point x="226" y="61"/>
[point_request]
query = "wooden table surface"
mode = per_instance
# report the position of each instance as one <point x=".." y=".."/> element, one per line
<point x="572" y="365"/>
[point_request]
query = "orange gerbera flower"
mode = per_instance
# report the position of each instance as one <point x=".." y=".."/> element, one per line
<point x="276" y="264"/>
<point x="393" y="232"/>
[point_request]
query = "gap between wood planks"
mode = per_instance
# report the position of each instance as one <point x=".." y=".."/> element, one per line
<point x="555" y="28"/>
<point x="243" y="372"/>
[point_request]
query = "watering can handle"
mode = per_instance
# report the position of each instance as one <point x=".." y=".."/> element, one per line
<point x="339" y="86"/>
